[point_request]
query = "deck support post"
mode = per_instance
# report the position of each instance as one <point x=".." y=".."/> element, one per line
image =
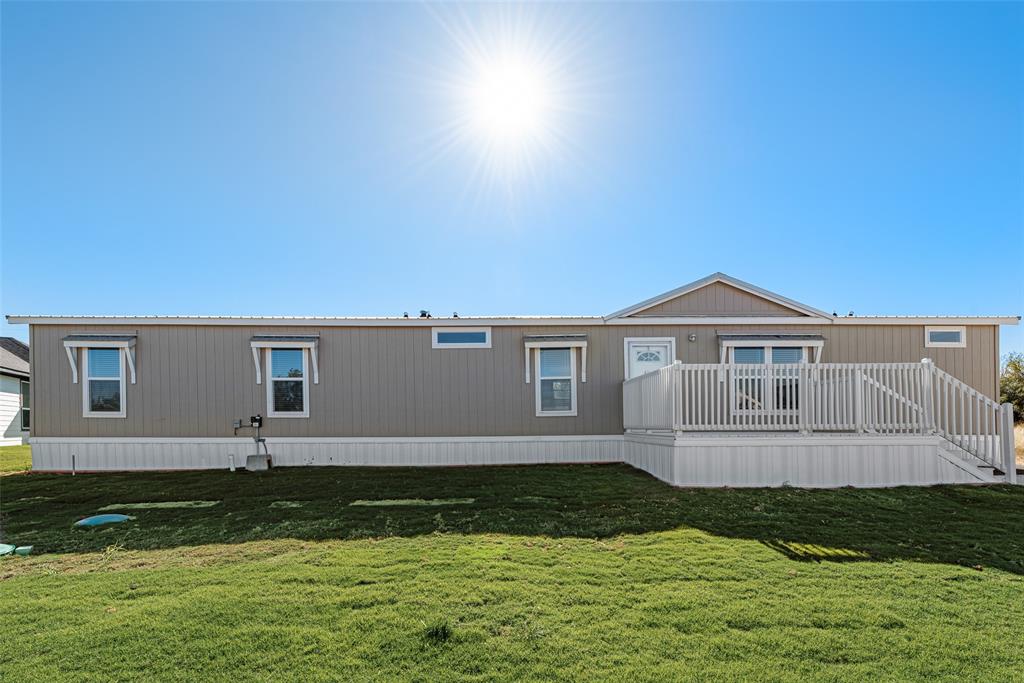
<point x="1006" y="442"/>
<point x="858" y="401"/>
<point x="803" y="402"/>
<point x="927" y="367"/>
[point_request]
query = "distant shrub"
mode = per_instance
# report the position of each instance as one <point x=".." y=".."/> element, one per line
<point x="1011" y="384"/>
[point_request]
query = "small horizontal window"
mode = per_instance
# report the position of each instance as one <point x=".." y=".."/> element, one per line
<point x="955" y="337"/>
<point x="461" y="337"/>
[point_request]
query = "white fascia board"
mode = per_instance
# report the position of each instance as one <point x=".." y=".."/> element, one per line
<point x="510" y="322"/>
<point x="301" y="322"/>
<point x="928" y="320"/>
<point x="710" y="320"/>
<point x="785" y="320"/>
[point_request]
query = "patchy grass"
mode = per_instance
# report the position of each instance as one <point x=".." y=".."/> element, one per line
<point x="552" y="572"/>
<point x="15" y="459"/>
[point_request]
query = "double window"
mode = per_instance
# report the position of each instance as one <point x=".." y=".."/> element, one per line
<point x="556" y="382"/>
<point x="762" y="387"/>
<point x="287" y="386"/>
<point x="103" y="391"/>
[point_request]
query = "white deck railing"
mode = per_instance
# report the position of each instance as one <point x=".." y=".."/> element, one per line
<point x="876" y="398"/>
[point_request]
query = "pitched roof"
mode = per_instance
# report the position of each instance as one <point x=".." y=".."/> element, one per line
<point x="731" y="281"/>
<point x="13" y="356"/>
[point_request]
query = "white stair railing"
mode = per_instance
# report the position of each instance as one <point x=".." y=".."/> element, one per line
<point x="971" y="421"/>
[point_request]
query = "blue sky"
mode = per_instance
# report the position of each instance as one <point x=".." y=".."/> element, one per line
<point x="294" y="159"/>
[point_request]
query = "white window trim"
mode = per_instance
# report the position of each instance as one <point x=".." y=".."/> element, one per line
<point x="435" y="344"/>
<point x="271" y="379"/>
<point x="962" y="344"/>
<point x="312" y="346"/>
<point x="570" y="344"/>
<point x="21" y="398"/>
<point x="572" y="377"/>
<point x="726" y="346"/>
<point x="768" y="352"/>
<point x="122" y="362"/>
<point x="671" y="341"/>
<point x="127" y="345"/>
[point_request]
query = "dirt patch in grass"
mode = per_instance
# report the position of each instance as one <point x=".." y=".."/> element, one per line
<point x="412" y="502"/>
<point x="161" y="505"/>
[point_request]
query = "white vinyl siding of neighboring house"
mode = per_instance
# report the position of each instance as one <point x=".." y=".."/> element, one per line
<point x="10" y="411"/>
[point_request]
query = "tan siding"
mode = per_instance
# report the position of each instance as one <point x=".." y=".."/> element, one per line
<point x="194" y="381"/>
<point x="718" y="298"/>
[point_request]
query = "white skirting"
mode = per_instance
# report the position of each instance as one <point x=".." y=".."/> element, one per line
<point x="803" y="461"/>
<point x="686" y="460"/>
<point x="97" y="454"/>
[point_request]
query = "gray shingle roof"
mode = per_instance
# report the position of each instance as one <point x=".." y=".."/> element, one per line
<point x="13" y="355"/>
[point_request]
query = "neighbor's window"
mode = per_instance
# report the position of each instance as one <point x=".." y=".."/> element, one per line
<point x="103" y="388"/>
<point x="287" y="388"/>
<point x="954" y="337"/>
<point x="556" y="382"/>
<point x="26" y="422"/>
<point x="461" y="337"/>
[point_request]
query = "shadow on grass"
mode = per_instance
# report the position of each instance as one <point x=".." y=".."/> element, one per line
<point x="971" y="526"/>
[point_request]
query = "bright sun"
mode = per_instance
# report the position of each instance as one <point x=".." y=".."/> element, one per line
<point x="514" y="89"/>
<point x="510" y="101"/>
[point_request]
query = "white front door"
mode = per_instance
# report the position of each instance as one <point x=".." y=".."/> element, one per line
<point x="646" y="355"/>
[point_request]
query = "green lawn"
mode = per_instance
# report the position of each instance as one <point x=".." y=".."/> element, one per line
<point x="506" y="573"/>
<point x="15" y="459"/>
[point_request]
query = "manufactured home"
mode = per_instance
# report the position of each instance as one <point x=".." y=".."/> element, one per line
<point x="716" y="383"/>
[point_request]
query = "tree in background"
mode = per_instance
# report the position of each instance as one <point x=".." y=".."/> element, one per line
<point x="1011" y="384"/>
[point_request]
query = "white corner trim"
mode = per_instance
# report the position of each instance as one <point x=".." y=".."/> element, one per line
<point x="435" y="344"/>
<point x="962" y="330"/>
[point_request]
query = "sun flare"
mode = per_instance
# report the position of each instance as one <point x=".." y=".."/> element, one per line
<point x="510" y="101"/>
<point x="515" y="83"/>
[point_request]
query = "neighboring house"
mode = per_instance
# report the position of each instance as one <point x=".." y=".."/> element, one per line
<point x="718" y="382"/>
<point x="15" y="413"/>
